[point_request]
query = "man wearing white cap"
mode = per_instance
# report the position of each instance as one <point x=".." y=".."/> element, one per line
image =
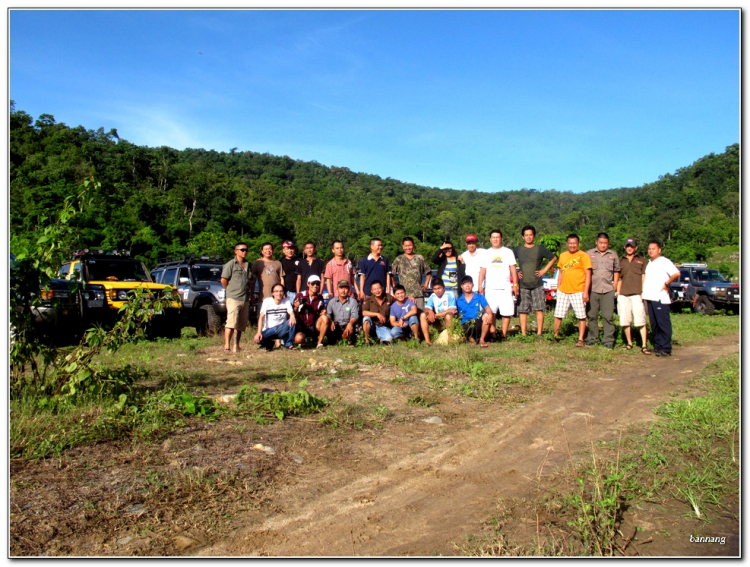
<point x="312" y="319"/>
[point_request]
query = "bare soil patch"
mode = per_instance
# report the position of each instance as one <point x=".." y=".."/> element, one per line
<point x="385" y="483"/>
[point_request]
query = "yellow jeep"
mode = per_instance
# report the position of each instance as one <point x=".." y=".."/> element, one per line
<point x="118" y="274"/>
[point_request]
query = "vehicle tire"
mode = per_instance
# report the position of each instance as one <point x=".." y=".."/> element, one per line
<point x="209" y="323"/>
<point x="704" y="305"/>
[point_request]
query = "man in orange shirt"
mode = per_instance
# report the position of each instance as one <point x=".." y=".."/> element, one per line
<point x="573" y="286"/>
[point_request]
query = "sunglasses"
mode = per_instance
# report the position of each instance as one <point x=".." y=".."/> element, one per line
<point x="241" y="249"/>
<point x="314" y="283"/>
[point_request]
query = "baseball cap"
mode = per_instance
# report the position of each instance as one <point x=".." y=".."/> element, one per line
<point x="288" y="244"/>
<point x="313" y="278"/>
<point x="472" y="238"/>
<point x="631" y="242"/>
<point x="343" y="283"/>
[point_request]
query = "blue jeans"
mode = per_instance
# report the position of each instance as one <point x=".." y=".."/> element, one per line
<point x="383" y="333"/>
<point x="285" y="332"/>
<point x="291" y="295"/>
<point x="397" y="332"/>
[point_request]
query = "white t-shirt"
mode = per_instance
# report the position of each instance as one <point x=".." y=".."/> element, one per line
<point x="275" y="315"/>
<point x="472" y="265"/>
<point x="657" y="273"/>
<point x="497" y="264"/>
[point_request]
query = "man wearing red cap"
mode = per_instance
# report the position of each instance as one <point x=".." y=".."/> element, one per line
<point x="471" y="257"/>
<point x="289" y="263"/>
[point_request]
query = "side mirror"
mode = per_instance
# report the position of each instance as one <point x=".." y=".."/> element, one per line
<point x="184" y="281"/>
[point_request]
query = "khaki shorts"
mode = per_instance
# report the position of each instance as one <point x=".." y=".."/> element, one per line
<point x="631" y="310"/>
<point x="237" y="314"/>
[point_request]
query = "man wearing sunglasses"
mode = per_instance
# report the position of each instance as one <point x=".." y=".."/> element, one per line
<point x="235" y="278"/>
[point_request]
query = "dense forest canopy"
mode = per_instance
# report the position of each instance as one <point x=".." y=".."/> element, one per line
<point x="160" y="202"/>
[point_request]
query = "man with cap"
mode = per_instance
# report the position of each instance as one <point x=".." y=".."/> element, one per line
<point x="289" y="263"/>
<point x="343" y="313"/>
<point x="312" y="319"/>
<point x="472" y="256"/>
<point x="605" y="274"/>
<point x="630" y="306"/>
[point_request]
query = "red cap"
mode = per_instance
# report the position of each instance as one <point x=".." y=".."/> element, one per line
<point x="288" y="244"/>
<point x="472" y="238"/>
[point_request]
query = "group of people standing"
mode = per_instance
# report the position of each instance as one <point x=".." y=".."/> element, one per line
<point x="308" y="299"/>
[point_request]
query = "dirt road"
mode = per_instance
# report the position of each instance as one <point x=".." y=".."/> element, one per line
<point x="418" y="487"/>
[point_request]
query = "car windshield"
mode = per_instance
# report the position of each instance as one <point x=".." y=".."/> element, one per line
<point x="117" y="271"/>
<point x="206" y="273"/>
<point x="709" y="276"/>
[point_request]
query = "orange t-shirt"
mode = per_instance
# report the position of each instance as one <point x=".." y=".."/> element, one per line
<point x="573" y="267"/>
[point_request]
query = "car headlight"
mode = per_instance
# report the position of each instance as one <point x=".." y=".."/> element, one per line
<point x="222" y="294"/>
<point x="122" y="295"/>
<point x="710" y="289"/>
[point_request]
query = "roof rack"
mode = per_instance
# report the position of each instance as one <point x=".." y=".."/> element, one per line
<point x="693" y="265"/>
<point x="188" y="259"/>
<point x="88" y="253"/>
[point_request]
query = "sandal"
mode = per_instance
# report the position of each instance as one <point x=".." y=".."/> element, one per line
<point x="227" y="350"/>
<point x="627" y="347"/>
<point x="580" y="343"/>
<point x="483" y="345"/>
<point x="645" y="350"/>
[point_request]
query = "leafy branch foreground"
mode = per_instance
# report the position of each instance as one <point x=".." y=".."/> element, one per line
<point x="690" y="455"/>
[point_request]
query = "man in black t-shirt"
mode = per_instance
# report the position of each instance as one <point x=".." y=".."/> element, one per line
<point x="290" y="263"/>
<point x="530" y="259"/>
<point x="309" y="265"/>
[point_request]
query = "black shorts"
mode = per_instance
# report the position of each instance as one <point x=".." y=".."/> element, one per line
<point x="473" y="329"/>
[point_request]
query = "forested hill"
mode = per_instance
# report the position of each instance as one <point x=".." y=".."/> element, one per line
<point x="161" y="202"/>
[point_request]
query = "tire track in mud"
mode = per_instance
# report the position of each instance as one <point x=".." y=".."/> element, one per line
<point x="420" y="503"/>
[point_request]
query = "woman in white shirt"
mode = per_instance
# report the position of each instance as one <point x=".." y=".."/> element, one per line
<point x="660" y="272"/>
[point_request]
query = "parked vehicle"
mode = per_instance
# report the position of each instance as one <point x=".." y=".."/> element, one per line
<point x="198" y="281"/>
<point x="704" y="289"/>
<point x="106" y="280"/>
<point x="550" y="288"/>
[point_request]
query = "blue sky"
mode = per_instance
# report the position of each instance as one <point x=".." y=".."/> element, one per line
<point x="574" y="100"/>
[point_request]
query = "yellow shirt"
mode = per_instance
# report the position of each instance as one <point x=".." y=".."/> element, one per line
<point x="573" y="267"/>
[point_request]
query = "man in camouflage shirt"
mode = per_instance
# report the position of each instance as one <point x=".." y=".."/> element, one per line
<point x="410" y="268"/>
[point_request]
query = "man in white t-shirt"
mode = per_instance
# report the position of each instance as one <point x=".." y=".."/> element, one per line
<point x="498" y="282"/>
<point x="660" y="272"/>
<point x="276" y="320"/>
<point x="472" y="258"/>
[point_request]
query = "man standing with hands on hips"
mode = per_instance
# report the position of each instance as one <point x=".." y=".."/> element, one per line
<point x="660" y="272"/>
<point x="235" y="279"/>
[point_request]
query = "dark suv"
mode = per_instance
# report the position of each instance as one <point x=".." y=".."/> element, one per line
<point x="704" y="289"/>
<point x="198" y="281"/>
